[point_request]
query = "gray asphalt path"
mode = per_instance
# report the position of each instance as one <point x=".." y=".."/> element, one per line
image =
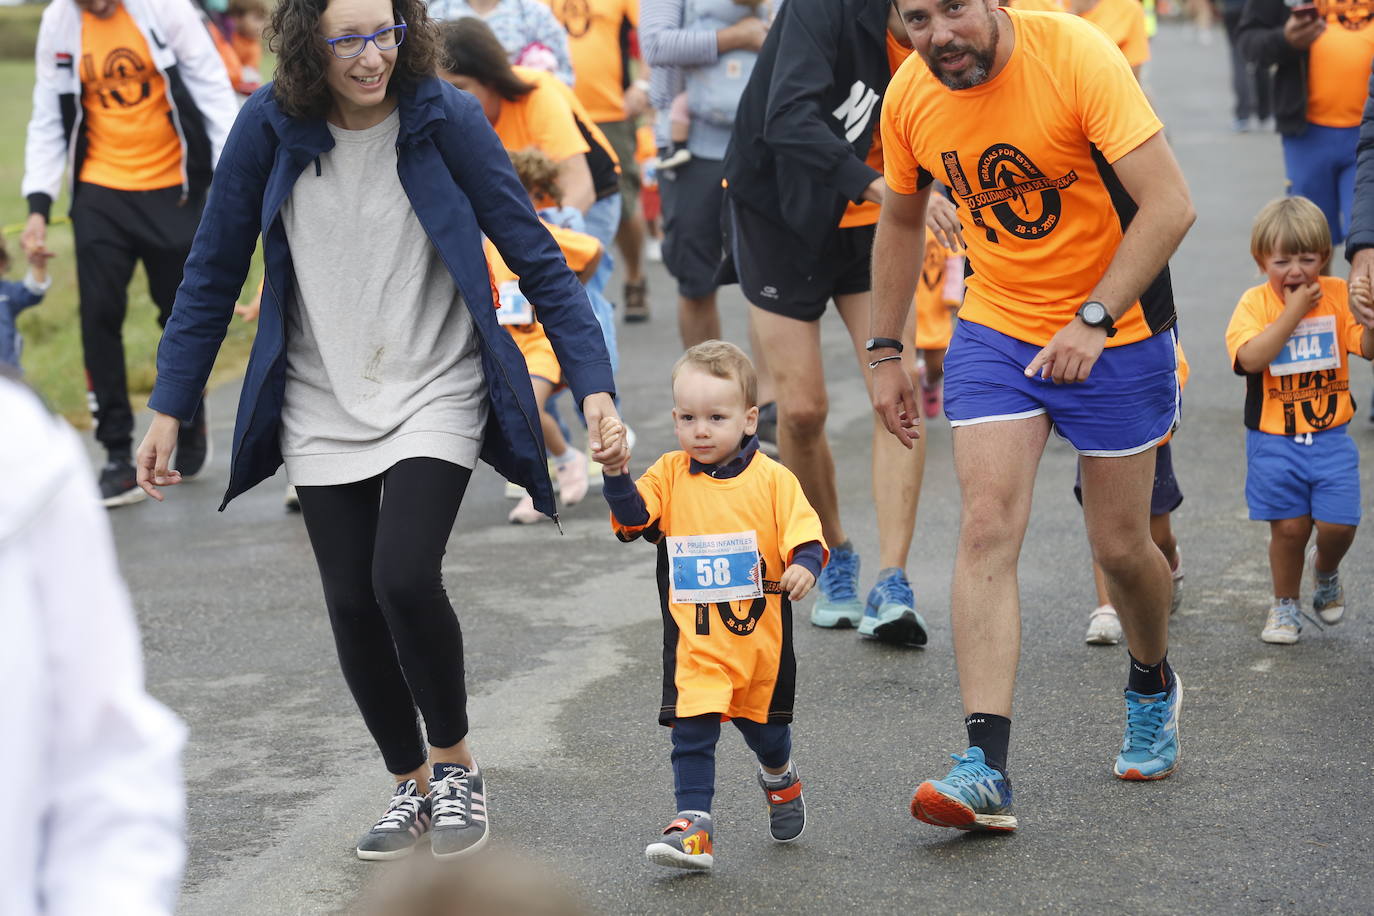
<point x="1270" y="811"/>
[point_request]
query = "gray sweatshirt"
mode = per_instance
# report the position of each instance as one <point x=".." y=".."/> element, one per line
<point x="382" y="360"/>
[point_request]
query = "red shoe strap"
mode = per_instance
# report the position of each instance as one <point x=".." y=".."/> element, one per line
<point x="680" y="824"/>
<point x="783" y="796"/>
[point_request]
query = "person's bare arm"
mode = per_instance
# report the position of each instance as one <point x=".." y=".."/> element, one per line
<point x="898" y="250"/>
<point x="1150" y="174"/>
<point x="575" y="180"/>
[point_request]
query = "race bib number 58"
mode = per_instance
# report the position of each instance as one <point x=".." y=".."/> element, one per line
<point x="708" y="568"/>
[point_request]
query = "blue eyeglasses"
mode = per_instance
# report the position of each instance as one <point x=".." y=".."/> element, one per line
<point x="346" y="47"/>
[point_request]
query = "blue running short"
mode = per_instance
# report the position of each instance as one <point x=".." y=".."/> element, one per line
<point x="1128" y="404"/>
<point x="1286" y="477"/>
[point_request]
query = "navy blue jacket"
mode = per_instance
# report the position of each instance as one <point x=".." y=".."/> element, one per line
<point x="461" y="186"/>
<point x="1361" y="234"/>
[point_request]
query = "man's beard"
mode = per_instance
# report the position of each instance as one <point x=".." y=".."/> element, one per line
<point x="973" y="75"/>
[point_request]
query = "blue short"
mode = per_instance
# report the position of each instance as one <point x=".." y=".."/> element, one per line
<point x="1285" y="477"/>
<point x="1128" y="404"/>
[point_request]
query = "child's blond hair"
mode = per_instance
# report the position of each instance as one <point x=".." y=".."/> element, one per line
<point x="722" y="359"/>
<point x="1291" y="226"/>
<point x="538" y="173"/>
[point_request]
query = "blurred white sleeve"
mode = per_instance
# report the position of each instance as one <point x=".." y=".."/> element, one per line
<point x="112" y="833"/>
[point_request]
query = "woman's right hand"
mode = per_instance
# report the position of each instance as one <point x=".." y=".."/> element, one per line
<point x="154" y="454"/>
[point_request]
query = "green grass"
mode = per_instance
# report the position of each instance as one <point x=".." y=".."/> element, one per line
<point x="52" y="332"/>
<point x="19" y="30"/>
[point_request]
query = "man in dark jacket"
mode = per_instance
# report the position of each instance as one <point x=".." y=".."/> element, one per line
<point x="1321" y="56"/>
<point x="1359" y="243"/>
<point x="804" y="184"/>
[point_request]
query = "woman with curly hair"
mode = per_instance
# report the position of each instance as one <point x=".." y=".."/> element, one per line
<point x="379" y="374"/>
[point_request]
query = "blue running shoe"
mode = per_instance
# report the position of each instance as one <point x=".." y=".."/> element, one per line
<point x="838" y="604"/>
<point x="974" y="796"/>
<point x="890" y="615"/>
<point x="1150" y="750"/>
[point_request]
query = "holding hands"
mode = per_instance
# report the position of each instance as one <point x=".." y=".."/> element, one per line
<point x="608" y="441"/>
<point x="796" y="581"/>
<point x="1362" y="287"/>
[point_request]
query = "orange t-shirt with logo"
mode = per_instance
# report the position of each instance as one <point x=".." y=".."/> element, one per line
<point x="594" y="28"/>
<point x="936" y="296"/>
<point x="733" y="658"/>
<point x="1338" y="63"/>
<point x="541" y="119"/>
<point x="132" y="143"/>
<point x="579" y="250"/>
<point x="1124" y="23"/>
<point x="865" y="213"/>
<point x="1018" y="151"/>
<point x="1304" y="402"/>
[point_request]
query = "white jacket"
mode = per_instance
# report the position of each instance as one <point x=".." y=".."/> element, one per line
<point x="90" y="772"/>
<point x="203" y="102"/>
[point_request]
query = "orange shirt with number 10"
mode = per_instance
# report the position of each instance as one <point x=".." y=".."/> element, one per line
<point x="594" y="46"/>
<point x="1042" y="214"/>
<point x="132" y="144"/>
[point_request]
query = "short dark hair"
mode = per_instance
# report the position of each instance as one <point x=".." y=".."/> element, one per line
<point x="470" y="48"/>
<point x="298" y="82"/>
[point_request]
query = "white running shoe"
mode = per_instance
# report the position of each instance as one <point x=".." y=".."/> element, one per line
<point x="1104" y="627"/>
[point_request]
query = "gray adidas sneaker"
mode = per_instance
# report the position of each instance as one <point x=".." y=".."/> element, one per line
<point x="458" y="806"/>
<point x="786" y="807"/>
<point x="400" y="828"/>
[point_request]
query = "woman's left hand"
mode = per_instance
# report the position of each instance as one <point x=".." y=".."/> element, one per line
<point x="596" y="408"/>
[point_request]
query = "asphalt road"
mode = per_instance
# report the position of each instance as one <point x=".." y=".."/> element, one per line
<point x="1270" y="810"/>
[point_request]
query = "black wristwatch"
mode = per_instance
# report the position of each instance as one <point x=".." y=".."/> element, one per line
<point x="878" y="343"/>
<point x="1095" y="315"/>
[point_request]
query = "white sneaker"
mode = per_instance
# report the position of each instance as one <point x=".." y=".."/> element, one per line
<point x="572" y="477"/>
<point x="524" y="512"/>
<point x="1283" y="626"/>
<point x="1104" y="627"/>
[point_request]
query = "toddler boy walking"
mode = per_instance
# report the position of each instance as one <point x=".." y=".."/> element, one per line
<point x="737" y="543"/>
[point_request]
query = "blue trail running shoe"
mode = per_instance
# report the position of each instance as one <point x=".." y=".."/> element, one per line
<point x="974" y="796"/>
<point x="1150" y="749"/>
<point x="838" y="604"/>
<point x="890" y="615"/>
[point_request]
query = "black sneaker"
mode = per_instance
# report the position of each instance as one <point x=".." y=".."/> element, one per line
<point x="119" y="483"/>
<point x="405" y="821"/>
<point x="458" y="804"/>
<point x="193" y="445"/>
<point x="786" y="807"/>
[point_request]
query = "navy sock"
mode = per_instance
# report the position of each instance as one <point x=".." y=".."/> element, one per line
<point x="992" y="734"/>
<point x="1149" y="679"/>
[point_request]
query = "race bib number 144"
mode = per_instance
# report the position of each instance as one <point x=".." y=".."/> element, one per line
<point x="1312" y="347"/>
<point x="708" y="568"/>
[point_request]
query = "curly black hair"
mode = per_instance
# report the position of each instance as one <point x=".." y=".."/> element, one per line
<point x="294" y="36"/>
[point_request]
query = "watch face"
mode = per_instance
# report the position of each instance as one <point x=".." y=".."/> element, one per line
<point x="1094" y="313"/>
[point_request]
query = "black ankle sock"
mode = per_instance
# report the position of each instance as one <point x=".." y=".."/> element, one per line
<point x="992" y="734"/>
<point x="1149" y="679"/>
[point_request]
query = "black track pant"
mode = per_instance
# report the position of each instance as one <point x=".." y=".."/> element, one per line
<point x="379" y="544"/>
<point x="114" y="230"/>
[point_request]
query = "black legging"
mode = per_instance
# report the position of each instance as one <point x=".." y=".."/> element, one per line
<point x="379" y="544"/>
